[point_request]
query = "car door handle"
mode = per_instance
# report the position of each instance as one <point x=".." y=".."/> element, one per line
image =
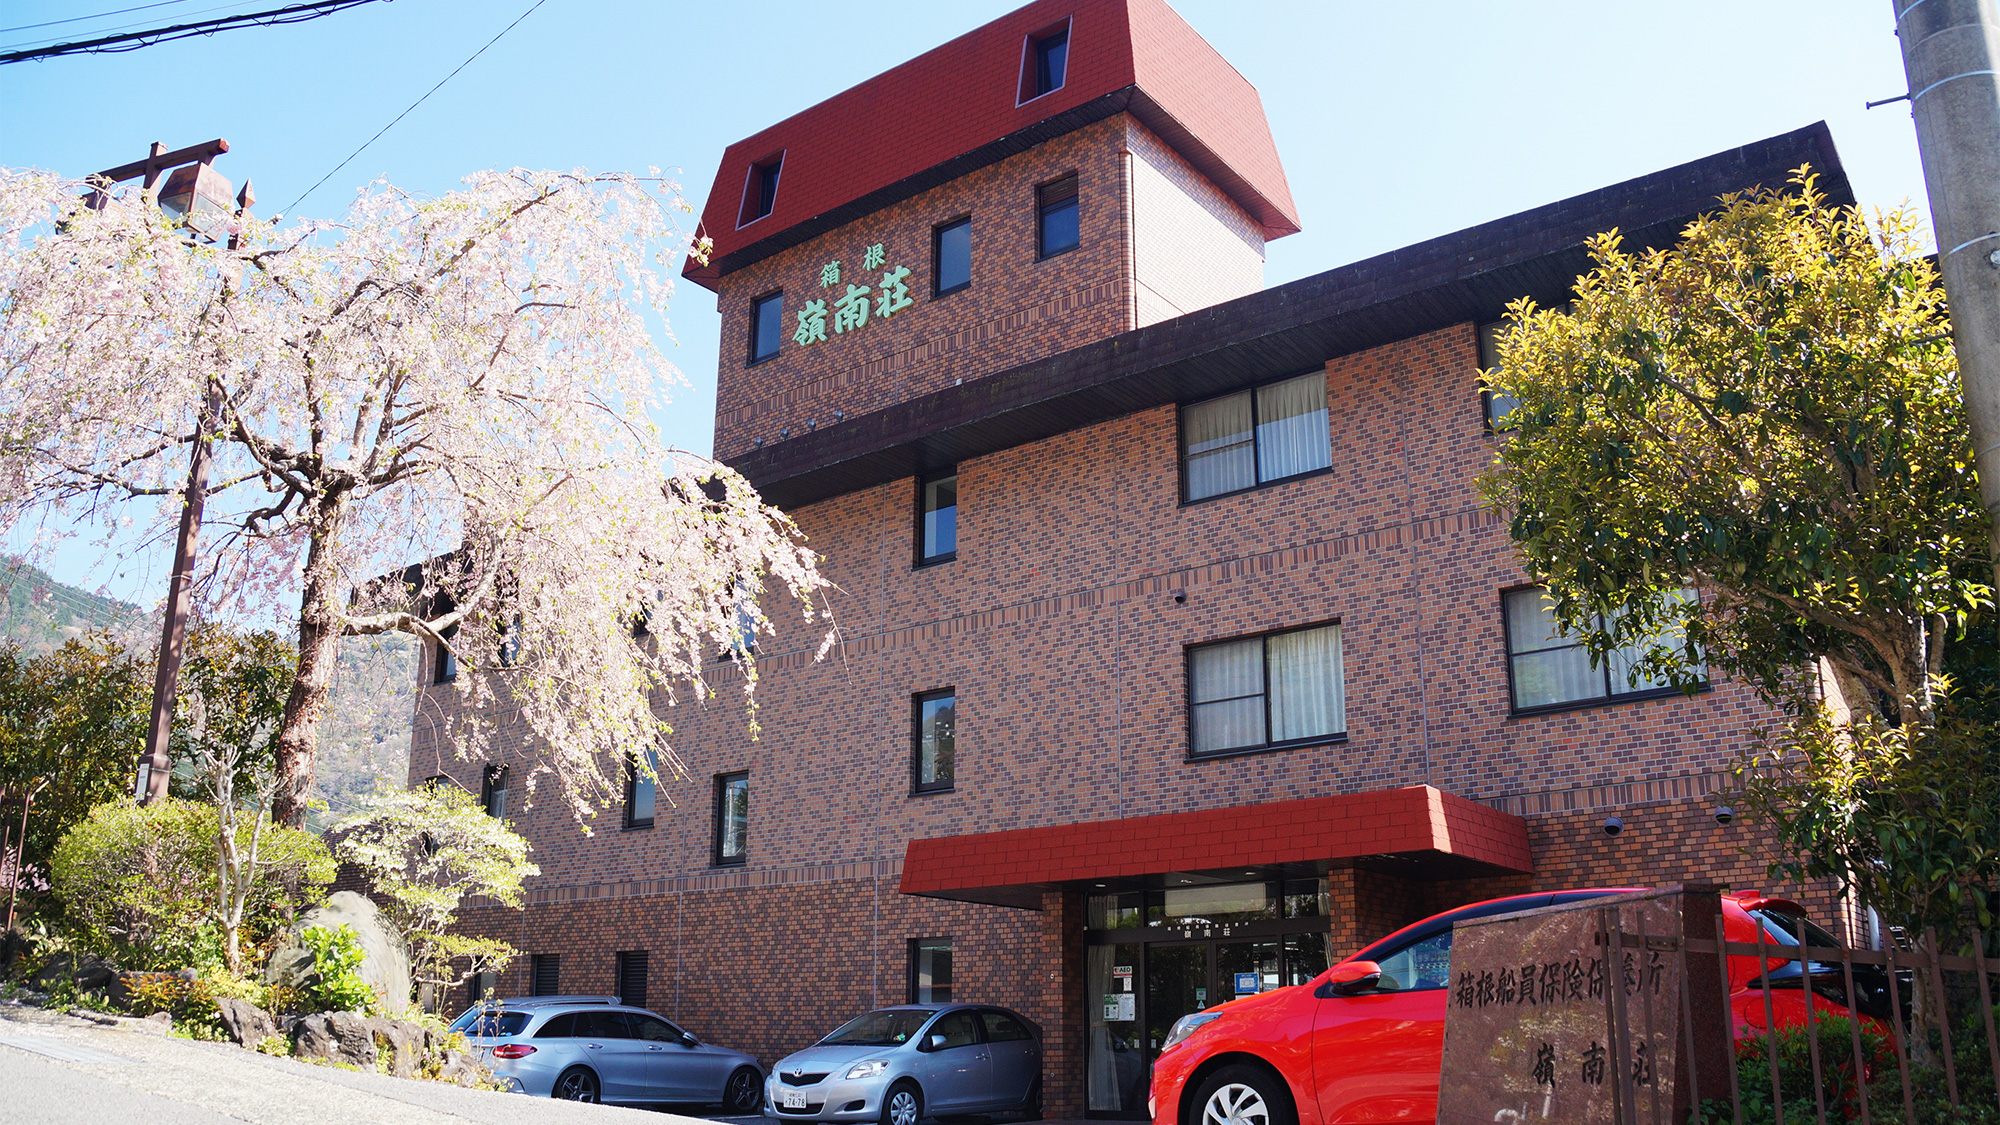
<point x="656" y="1048"/>
<point x="593" y="1046"/>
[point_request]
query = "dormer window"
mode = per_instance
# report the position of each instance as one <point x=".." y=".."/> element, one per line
<point x="1045" y="62"/>
<point x="760" y="189"/>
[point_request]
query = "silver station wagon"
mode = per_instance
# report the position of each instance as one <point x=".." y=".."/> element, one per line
<point x="898" y="1065"/>
<point x="594" y="1049"/>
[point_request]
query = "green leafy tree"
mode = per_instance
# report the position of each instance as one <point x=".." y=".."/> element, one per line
<point x="226" y="720"/>
<point x="72" y="722"/>
<point x="1769" y="412"/>
<point x="139" y="881"/>
<point x="424" y="850"/>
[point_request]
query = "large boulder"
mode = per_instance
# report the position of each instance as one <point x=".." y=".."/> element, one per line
<point x="246" y="1023"/>
<point x="385" y="962"/>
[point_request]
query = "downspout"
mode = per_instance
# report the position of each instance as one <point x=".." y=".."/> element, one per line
<point x="1128" y="264"/>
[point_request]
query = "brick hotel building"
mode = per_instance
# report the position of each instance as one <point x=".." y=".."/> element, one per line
<point x="1177" y="643"/>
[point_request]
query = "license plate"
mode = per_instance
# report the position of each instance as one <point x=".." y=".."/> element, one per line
<point x="795" y="1099"/>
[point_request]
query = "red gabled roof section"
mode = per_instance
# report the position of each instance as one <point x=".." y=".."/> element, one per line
<point x="956" y="107"/>
<point x="1419" y="822"/>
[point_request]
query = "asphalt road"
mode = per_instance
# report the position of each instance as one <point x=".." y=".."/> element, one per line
<point x="62" y="1069"/>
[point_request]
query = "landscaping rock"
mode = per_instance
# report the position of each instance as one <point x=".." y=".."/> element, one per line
<point x="385" y="962"/>
<point x="460" y="1068"/>
<point x="14" y="947"/>
<point x="344" y="1037"/>
<point x="246" y="1023"/>
<point x="87" y="975"/>
<point x="123" y="988"/>
<point x="401" y="1043"/>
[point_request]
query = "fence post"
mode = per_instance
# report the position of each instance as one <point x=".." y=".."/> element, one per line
<point x="1985" y="1006"/>
<point x="1728" y="1035"/>
<point x="1896" y="1025"/>
<point x="1709" y="1061"/>
<point x="1854" y="1030"/>
<point x="1944" y="1013"/>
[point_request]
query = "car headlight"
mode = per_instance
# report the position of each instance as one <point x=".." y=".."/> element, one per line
<point x="1187" y="1025"/>
<point x="868" y="1069"/>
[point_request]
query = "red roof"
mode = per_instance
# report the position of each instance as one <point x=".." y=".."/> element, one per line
<point x="1419" y="822"/>
<point x="957" y="107"/>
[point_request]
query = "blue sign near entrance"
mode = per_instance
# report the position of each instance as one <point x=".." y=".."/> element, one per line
<point x="1246" y="983"/>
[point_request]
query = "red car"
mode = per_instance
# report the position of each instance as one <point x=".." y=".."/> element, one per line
<point x="1345" y="1049"/>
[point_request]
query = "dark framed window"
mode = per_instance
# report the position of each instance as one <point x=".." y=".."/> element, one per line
<point x="1493" y="405"/>
<point x="642" y="793"/>
<point x="493" y="791"/>
<point x="632" y="978"/>
<point x="1237" y="442"/>
<point x="509" y="651"/>
<point x="1045" y="61"/>
<point x="767" y="328"/>
<point x="933" y="740"/>
<point x="937" y="517"/>
<point x="446" y="668"/>
<point x="1057" y="229"/>
<point x="930" y="970"/>
<point x="732" y="817"/>
<point x="760" y="189"/>
<point x="951" y="257"/>
<point x="546" y="969"/>
<point x="744" y="645"/>
<point x="1550" y="670"/>
<point x="1267" y="691"/>
<point x="480" y="987"/>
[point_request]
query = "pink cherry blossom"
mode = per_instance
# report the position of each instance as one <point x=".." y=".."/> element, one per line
<point x="464" y="379"/>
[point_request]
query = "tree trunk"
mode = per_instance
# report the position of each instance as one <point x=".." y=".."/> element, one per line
<point x="320" y="630"/>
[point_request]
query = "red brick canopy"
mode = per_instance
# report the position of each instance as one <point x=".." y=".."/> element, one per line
<point x="1448" y="834"/>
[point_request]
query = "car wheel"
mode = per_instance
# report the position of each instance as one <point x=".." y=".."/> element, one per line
<point x="577" y="1084"/>
<point x="904" y="1105"/>
<point x="741" y="1094"/>
<point x="1242" y="1095"/>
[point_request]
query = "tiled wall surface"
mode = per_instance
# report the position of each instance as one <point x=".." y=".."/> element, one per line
<point x="1191" y="245"/>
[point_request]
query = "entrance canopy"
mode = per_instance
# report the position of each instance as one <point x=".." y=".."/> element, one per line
<point x="1421" y="830"/>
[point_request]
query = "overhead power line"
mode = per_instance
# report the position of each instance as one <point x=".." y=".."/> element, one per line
<point x="98" y="16"/>
<point x="133" y="40"/>
<point x="413" y="105"/>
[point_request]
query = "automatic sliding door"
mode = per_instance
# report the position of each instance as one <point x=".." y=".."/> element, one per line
<point x="1117" y="1054"/>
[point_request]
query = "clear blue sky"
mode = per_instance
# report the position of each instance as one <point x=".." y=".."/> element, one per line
<point x="1396" y="122"/>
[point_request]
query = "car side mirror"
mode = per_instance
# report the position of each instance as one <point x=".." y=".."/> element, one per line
<point x="688" y="1039"/>
<point x="1353" y="977"/>
<point x="935" y="1043"/>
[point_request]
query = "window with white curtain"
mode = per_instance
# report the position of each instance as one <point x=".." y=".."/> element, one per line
<point x="1279" y="689"/>
<point x="1548" y="668"/>
<point x="1255" y="437"/>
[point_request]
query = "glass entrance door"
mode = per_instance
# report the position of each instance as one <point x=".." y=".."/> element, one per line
<point x="1153" y="956"/>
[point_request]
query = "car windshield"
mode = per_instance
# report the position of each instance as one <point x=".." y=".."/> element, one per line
<point x="1787" y="928"/>
<point x="881" y="1029"/>
<point x="489" y="1023"/>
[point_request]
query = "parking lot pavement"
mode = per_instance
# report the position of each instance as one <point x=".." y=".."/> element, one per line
<point x="62" y="1070"/>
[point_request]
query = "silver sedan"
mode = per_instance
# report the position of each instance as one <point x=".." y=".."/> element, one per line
<point x="594" y="1049"/>
<point x="899" y="1065"/>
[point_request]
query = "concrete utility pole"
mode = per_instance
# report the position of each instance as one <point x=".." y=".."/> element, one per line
<point x="1950" y="48"/>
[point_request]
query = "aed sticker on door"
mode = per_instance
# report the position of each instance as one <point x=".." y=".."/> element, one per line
<point x="1246" y="983"/>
